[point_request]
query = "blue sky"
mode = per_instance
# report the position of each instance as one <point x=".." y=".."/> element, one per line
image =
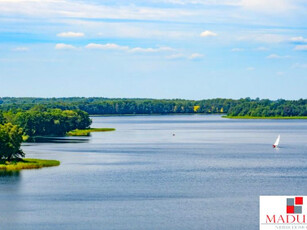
<point x="193" y="49"/>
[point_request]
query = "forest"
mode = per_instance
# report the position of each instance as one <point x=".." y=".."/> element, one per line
<point x="17" y="125"/>
<point x="100" y="106"/>
<point x="41" y="121"/>
<point x="268" y="108"/>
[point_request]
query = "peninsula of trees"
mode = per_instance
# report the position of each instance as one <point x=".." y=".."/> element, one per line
<point x="42" y="121"/>
<point x="16" y="125"/>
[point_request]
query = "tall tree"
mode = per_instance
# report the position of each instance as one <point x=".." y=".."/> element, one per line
<point x="10" y="142"/>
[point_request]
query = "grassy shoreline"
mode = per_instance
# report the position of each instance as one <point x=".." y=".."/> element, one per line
<point x="205" y="114"/>
<point x="86" y="132"/>
<point x="27" y="163"/>
<point x="267" y="118"/>
<point x="151" y="114"/>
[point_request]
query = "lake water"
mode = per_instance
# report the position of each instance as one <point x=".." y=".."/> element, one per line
<point x="141" y="177"/>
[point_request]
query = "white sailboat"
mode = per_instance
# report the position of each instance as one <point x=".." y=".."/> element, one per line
<point x="276" y="142"/>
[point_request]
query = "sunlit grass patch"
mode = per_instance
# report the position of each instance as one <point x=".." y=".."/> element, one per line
<point x="278" y="117"/>
<point x="86" y="132"/>
<point x="27" y="163"/>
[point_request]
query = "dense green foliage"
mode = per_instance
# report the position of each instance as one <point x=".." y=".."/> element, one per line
<point x="267" y="108"/>
<point x="40" y="121"/>
<point x="2" y="120"/>
<point x="122" y="106"/>
<point x="10" y="141"/>
<point x="241" y="107"/>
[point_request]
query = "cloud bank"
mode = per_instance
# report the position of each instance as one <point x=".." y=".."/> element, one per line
<point x="70" y="34"/>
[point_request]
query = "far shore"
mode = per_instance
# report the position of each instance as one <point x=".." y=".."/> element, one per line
<point x="204" y="114"/>
<point x="267" y="118"/>
<point x="153" y="114"/>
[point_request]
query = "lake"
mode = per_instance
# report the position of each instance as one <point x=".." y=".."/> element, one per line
<point x="209" y="175"/>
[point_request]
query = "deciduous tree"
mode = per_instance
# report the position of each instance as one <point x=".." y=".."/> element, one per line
<point x="10" y="142"/>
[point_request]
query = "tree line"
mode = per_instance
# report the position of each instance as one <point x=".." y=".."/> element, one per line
<point x="97" y="106"/>
<point x="268" y="108"/>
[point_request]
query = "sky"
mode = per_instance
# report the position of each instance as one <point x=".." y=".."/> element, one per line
<point x="191" y="49"/>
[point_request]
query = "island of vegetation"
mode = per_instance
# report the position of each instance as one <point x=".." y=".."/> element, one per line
<point x="241" y="108"/>
<point x="86" y="132"/>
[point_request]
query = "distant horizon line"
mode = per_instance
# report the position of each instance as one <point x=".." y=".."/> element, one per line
<point x="147" y="98"/>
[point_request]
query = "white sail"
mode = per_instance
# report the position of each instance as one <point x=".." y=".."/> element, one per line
<point x="277" y="141"/>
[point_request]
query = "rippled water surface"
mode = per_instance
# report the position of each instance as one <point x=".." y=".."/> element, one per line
<point x="209" y="175"/>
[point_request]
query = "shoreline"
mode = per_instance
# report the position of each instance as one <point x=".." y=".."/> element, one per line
<point x="27" y="163"/>
<point x="266" y="118"/>
<point x="152" y="114"/>
<point x="205" y="114"/>
<point x="87" y="132"/>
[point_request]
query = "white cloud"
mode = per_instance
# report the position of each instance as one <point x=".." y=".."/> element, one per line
<point x="300" y="47"/>
<point x="70" y="34"/>
<point x="21" y="49"/>
<point x="113" y="46"/>
<point x="82" y="9"/>
<point x="253" y="5"/>
<point x="195" y="56"/>
<point x="69" y="9"/>
<point x="62" y="46"/>
<point x="208" y="33"/>
<point x="150" y="50"/>
<point x="108" y="46"/>
<point x="269" y="6"/>
<point x="250" y="68"/>
<point x="202" y="2"/>
<point x="237" y="49"/>
<point x="276" y="56"/>
<point x="298" y="39"/>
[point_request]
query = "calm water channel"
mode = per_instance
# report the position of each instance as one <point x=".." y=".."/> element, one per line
<point x="141" y="177"/>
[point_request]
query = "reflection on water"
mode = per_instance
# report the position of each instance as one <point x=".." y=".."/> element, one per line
<point x="5" y="173"/>
<point x="58" y="140"/>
